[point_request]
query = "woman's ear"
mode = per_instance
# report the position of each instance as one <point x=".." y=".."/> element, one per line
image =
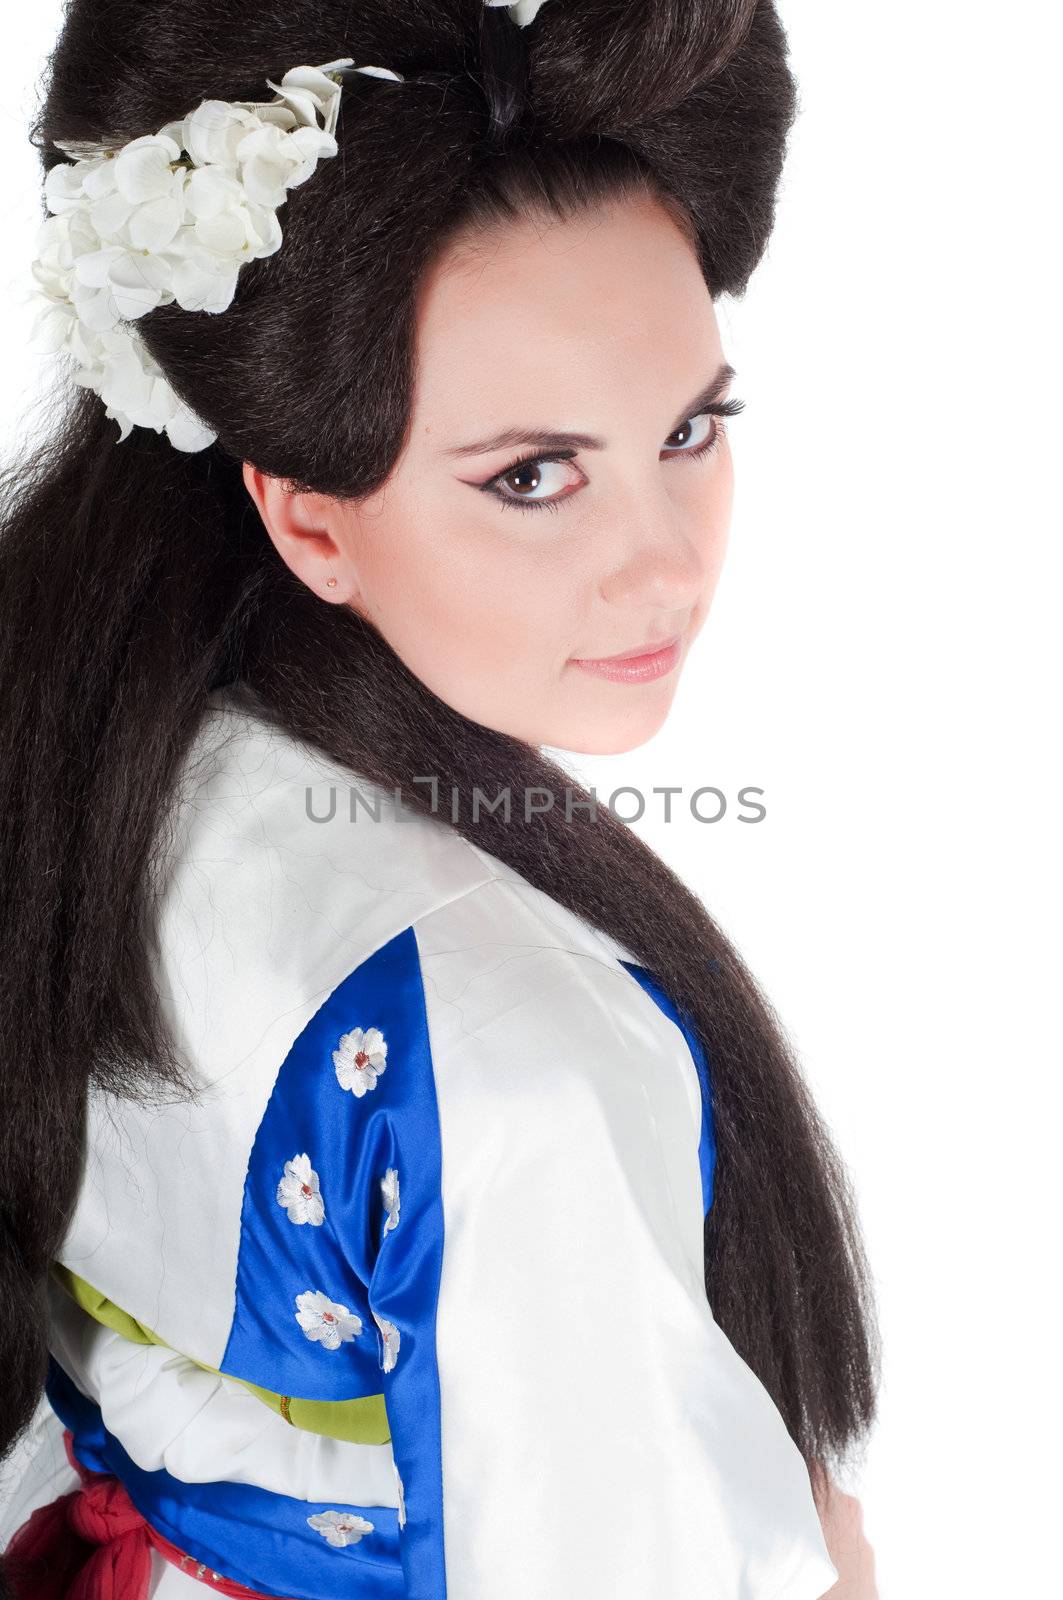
<point x="302" y="528"/>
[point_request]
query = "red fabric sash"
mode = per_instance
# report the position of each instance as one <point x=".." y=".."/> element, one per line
<point x="93" y="1544"/>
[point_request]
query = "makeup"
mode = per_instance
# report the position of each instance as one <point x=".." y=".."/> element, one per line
<point x="638" y="668"/>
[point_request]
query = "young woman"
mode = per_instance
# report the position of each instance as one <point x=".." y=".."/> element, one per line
<point x="407" y="1190"/>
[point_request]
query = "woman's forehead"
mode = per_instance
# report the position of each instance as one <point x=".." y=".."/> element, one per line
<point x="567" y="310"/>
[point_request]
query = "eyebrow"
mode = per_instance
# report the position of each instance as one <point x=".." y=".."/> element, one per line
<point x="552" y="439"/>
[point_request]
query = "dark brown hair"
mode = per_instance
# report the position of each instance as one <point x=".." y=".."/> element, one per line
<point x="135" y="577"/>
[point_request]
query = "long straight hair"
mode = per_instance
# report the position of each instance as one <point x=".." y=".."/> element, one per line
<point x="135" y="578"/>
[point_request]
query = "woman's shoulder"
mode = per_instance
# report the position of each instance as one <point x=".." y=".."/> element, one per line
<point x="291" y="876"/>
<point x="295" y="903"/>
<point x="261" y="812"/>
<point x="285" y="870"/>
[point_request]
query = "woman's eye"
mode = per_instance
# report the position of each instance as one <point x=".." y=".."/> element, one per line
<point x="537" y="482"/>
<point x="697" y="435"/>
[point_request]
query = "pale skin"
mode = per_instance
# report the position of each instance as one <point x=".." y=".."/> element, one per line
<point x="601" y="325"/>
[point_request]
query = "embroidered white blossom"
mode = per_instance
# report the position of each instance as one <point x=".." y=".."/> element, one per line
<point x="201" y="1569"/>
<point x="401" y="1494"/>
<point x="389" y="1188"/>
<point x="339" y="1528"/>
<point x="360" y="1059"/>
<point x="392" y="1340"/>
<point x="139" y="225"/>
<point x="299" y="1192"/>
<point x="325" y="1322"/>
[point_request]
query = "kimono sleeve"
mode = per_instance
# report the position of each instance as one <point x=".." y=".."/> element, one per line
<point x="567" y="1419"/>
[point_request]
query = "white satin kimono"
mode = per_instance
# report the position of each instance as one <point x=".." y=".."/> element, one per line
<point x="410" y="1302"/>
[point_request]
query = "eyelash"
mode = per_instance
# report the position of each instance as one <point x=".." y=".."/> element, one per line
<point x="726" y="408"/>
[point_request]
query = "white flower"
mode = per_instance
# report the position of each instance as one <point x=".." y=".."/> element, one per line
<point x="211" y="132"/>
<point x="401" y="1492"/>
<point x="521" y="11"/>
<point x="360" y="1059"/>
<point x="389" y="1188"/>
<point x="134" y="198"/>
<point x="392" y="1340"/>
<point x="172" y="217"/>
<point x="224" y="220"/>
<point x="143" y="168"/>
<point x="121" y="370"/>
<point x="125" y="282"/>
<point x="308" y="93"/>
<point x="325" y="1322"/>
<point x="272" y="161"/>
<point x="201" y="283"/>
<point x="54" y="326"/>
<point x="64" y="185"/>
<point x="184" y="429"/>
<point x="299" y="1192"/>
<point x="60" y="240"/>
<point x="340" y="1528"/>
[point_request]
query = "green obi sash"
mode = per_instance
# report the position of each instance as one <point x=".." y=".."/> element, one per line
<point x="360" y="1421"/>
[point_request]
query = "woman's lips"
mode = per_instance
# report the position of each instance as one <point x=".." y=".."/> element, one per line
<point x="642" y="668"/>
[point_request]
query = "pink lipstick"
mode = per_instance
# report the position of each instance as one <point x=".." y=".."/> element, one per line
<point x="638" y="668"/>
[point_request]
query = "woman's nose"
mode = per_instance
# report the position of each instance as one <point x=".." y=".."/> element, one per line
<point x="663" y="566"/>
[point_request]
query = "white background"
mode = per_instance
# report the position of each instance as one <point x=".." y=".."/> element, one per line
<point x="880" y="661"/>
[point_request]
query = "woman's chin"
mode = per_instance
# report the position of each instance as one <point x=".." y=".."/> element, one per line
<point x="612" y="734"/>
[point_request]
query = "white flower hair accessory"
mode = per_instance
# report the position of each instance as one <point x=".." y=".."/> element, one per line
<point x="173" y="216"/>
<point x="167" y="217"/>
<point x="522" y="12"/>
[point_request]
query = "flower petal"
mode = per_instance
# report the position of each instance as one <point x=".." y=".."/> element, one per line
<point x="52" y="326"/>
<point x="153" y="224"/>
<point x="139" y="283"/>
<point x="99" y="178"/>
<point x="142" y="167"/>
<point x="62" y="187"/>
<point x="225" y="233"/>
<point x="266" y="180"/>
<point x="110" y="214"/>
<point x="211" y="131"/>
<point x="202" y="285"/>
<point x="96" y="308"/>
<point x="93" y="267"/>
<point x="185" y="431"/>
<point x="211" y="190"/>
<point x="265" y="228"/>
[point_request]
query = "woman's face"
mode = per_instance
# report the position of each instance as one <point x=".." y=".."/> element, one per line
<point x="492" y="580"/>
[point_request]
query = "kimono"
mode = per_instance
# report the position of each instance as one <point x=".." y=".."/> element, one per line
<point x="409" y="1299"/>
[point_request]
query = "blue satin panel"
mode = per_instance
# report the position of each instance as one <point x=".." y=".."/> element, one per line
<point x="257" y="1538"/>
<point x="351" y="1142"/>
<point x="707" y="1143"/>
